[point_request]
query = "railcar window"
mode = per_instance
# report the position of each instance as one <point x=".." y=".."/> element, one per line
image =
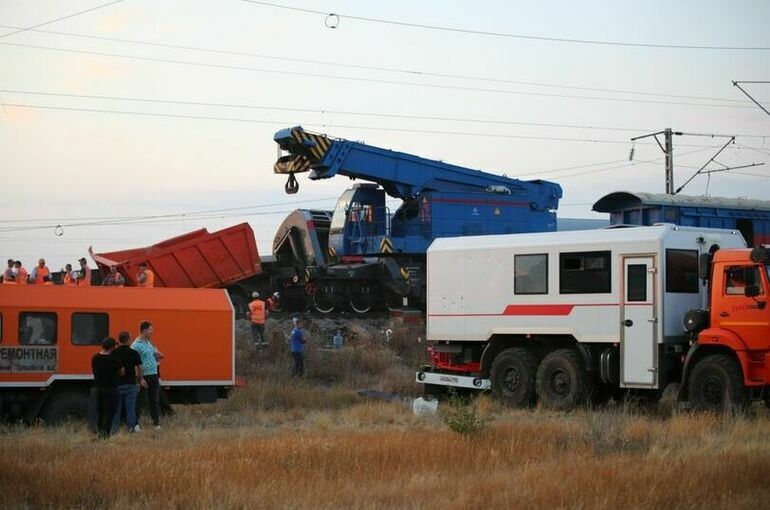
<point x="530" y="274"/>
<point x="37" y="328"/>
<point x="90" y="328"/>
<point x="682" y="271"/>
<point x="637" y="283"/>
<point x="585" y="272"/>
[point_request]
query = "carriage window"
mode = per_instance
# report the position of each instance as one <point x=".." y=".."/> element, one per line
<point x="682" y="271"/>
<point x="90" y="328"/>
<point x="37" y="328"/>
<point x="585" y="272"/>
<point x="636" y="283"/>
<point x="530" y="274"/>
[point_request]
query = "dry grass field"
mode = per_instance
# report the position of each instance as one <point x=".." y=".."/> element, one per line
<point x="317" y="444"/>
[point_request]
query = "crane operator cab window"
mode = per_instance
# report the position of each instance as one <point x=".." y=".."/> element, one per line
<point x="738" y="278"/>
<point x="37" y="328"/>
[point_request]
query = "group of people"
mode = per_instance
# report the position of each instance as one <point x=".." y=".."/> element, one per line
<point x="124" y="371"/>
<point x="17" y="274"/>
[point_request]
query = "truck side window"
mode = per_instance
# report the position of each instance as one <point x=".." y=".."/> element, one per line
<point x="37" y="328"/>
<point x="682" y="271"/>
<point x="587" y="272"/>
<point x="530" y="274"/>
<point x="735" y="280"/>
<point x="90" y="328"/>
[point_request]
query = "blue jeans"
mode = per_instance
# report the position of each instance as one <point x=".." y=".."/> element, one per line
<point x="126" y="401"/>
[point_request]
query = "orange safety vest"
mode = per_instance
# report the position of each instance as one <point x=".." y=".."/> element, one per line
<point x="40" y="272"/>
<point x="49" y="282"/>
<point x="257" y="311"/>
<point x="68" y="280"/>
<point x="149" y="279"/>
<point x="85" y="280"/>
<point x="22" y="277"/>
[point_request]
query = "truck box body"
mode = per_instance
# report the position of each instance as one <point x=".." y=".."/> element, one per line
<point x="48" y="335"/>
<point x="608" y="286"/>
<point x="200" y="259"/>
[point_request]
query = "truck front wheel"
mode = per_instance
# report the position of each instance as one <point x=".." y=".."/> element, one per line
<point x="513" y="377"/>
<point x="65" y="406"/>
<point x="562" y="381"/>
<point x="716" y="384"/>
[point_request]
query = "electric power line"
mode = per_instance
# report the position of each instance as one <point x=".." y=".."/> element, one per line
<point x="33" y="27"/>
<point x="369" y="80"/>
<point x="338" y="126"/>
<point x="334" y="112"/>
<point x="505" y="35"/>
<point x="410" y="72"/>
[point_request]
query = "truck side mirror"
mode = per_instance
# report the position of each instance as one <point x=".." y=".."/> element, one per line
<point x="704" y="266"/>
<point x="751" y="291"/>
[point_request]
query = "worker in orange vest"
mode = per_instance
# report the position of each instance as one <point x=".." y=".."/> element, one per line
<point x="272" y="302"/>
<point x="39" y="272"/>
<point x="256" y="314"/>
<point x="21" y="273"/>
<point x="145" y="277"/>
<point x="47" y="280"/>
<point x="67" y="279"/>
<point x="84" y="276"/>
<point x="114" y="279"/>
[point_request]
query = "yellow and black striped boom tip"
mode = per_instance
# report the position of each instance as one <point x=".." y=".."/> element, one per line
<point x="305" y="150"/>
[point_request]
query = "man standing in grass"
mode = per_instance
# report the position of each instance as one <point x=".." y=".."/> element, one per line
<point x="150" y="381"/>
<point x="128" y="385"/>
<point x="298" y="348"/>
<point x="107" y="369"/>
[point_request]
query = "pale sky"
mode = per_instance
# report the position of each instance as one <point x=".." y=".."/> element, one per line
<point x="60" y="165"/>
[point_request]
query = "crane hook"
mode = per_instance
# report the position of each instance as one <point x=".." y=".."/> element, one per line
<point x="291" y="186"/>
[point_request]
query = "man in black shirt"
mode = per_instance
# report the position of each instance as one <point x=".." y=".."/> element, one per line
<point x="128" y="384"/>
<point x="107" y="369"/>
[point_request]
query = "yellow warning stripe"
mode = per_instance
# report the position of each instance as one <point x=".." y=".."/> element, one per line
<point x="404" y="273"/>
<point x="332" y="252"/>
<point x="307" y="274"/>
<point x="386" y="245"/>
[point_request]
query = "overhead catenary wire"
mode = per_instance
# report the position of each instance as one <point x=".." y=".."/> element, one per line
<point x="61" y="18"/>
<point x="360" y="79"/>
<point x="410" y="72"/>
<point x="324" y="126"/>
<point x="334" y="112"/>
<point x="508" y="35"/>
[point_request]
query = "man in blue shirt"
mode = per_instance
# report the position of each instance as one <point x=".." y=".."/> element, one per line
<point x="298" y="348"/>
<point x="150" y="382"/>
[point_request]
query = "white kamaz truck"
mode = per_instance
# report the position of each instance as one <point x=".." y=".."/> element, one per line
<point x="566" y="317"/>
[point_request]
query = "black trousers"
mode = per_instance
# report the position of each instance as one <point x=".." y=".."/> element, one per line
<point x="151" y="393"/>
<point x="299" y="364"/>
<point x="106" y="405"/>
<point x="258" y="333"/>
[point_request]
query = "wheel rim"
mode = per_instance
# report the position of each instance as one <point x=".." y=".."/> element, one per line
<point x="511" y="380"/>
<point x="713" y="391"/>
<point x="360" y="307"/>
<point x="559" y="382"/>
<point x="322" y="303"/>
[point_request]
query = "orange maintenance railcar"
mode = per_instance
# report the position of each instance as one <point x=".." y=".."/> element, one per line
<point x="48" y="335"/>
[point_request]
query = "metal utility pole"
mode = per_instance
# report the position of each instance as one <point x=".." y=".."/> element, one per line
<point x="668" y="149"/>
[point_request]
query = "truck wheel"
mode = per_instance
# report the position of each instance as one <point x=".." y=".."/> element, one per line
<point x="513" y="377"/>
<point x="716" y="384"/>
<point x="562" y="381"/>
<point x="66" y="406"/>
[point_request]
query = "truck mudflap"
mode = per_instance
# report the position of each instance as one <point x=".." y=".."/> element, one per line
<point x="457" y="381"/>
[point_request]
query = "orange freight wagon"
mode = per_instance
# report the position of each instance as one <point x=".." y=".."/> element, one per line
<point x="48" y="335"/>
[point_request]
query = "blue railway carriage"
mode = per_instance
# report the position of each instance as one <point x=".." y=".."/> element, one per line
<point x="750" y="217"/>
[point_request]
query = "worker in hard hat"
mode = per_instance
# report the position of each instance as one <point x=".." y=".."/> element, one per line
<point x="272" y="302"/>
<point x="145" y="277"/>
<point x="256" y="314"/>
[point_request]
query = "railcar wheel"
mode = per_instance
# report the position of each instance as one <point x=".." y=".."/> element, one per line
<point x="64" y="407"/>
<point x="323" y="302"/>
